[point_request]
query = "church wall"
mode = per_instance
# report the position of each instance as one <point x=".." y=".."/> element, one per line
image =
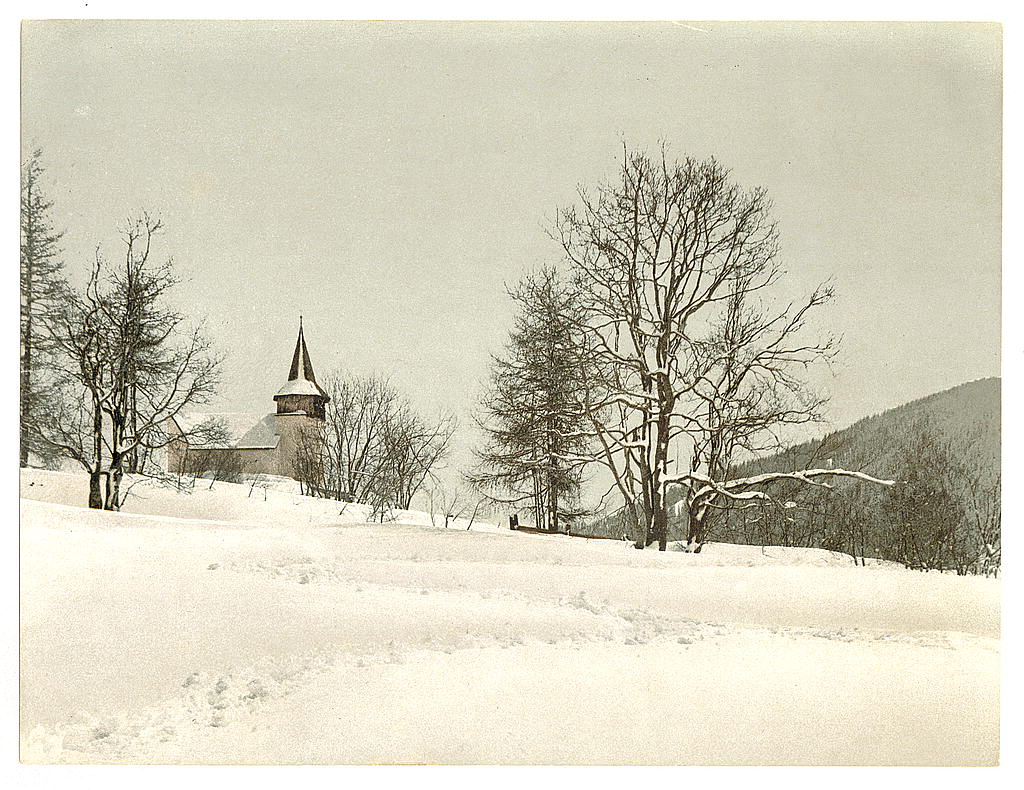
<point x="305" y="403"/>
<point x="258" y="460"/>
<point x="176" y="450"/>
<point x="292" y="429"/>
<point x="255" y="460"/>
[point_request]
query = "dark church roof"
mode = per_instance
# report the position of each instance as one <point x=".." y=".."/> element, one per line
<point x="301" y="379"/>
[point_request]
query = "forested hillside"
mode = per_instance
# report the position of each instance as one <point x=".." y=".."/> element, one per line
<point x="968" y="416"/>
<point x="943" y="451"/>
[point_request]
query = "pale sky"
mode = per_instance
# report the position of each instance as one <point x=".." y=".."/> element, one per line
<point x="386" y="180"/>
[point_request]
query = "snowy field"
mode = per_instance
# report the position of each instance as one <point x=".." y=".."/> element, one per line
<point x="224" y="627"/>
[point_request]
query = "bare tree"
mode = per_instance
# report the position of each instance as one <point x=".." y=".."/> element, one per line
<point x="133" y="360"/>
<point x="74" y="427"/>
<point x="745" y="492"/>
<point x="311" y="457"/>
<point x="453" y="504"/>
<point x="357" y="422"/>
<point x="372" y="446"/>
<point x="445" y="503"/>
<point x="742" y="389"/>
<point x="83" y="385"/>
<point x="260" y="481"/>
<point x="217" y="465"/>
<point x="414" y="449"/>
<point x="923" y="512"/>
<point x="670" y="260"/>
<point x="984" y="522"/>
<point x="159" y="367"/>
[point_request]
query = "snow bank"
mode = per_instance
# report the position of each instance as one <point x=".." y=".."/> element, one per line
<point x="281" y="630"/>
<point x="279" y="502"/>
<point x="274" y="500"/>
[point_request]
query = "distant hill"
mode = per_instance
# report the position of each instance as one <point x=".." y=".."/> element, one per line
<point x="945" y="447"/>
<point x="969" y="413"/>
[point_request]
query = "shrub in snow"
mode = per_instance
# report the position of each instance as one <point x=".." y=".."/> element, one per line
<point x="255" y="690"/>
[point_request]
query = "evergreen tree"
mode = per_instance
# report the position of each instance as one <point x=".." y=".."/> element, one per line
<point x="41" y="284"/>
<point x="535" y="423"/>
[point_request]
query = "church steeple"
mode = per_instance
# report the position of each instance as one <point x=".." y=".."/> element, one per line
<point x="301" y="393"/>
<point x="301" y="368"/>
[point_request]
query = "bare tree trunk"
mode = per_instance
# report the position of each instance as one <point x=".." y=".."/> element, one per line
<point x="639" y="516"/>
<point x="113" y="490"/>
<point x="538" y="505"/>
<point x="647" y="537"/>
<point x="552" y="508"/>
<point x="115" y="469"/>
<point x="660" y="501"/>
<point x="95" y="490"/>
<point x="661" y="527"/>
<point x="132" y="458"/>
<point x="697" y="528"/>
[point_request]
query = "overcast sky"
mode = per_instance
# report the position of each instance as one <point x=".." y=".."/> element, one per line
<point x="386" y="180"/>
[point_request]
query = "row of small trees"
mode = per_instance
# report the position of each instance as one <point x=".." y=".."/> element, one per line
<point x="664" y="338"/>
<point x="943" y="513"/>
<point x="106" y="365"/>
<point x="373" y="447"/>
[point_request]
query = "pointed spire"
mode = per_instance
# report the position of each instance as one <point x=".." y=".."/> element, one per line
<point x="301" y="368"/>
<point x="301" y="379"/>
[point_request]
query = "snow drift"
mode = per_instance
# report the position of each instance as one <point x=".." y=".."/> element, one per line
<point x="239" y="626"/>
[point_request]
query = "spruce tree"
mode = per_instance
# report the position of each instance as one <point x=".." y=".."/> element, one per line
<point x="41" y="284"/>
<point x="534" y="420"/>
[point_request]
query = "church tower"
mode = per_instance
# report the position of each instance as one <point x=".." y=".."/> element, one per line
<point x="300" y="411"/>
<point x="301" y="394"/>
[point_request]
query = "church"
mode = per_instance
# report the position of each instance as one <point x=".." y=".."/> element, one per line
<point x="263" y="443"/>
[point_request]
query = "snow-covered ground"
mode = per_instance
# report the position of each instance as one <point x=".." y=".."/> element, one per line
<point x="227" y="627"/>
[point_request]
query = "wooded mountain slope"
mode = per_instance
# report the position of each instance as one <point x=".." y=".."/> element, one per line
<point x="967" y="415"/>
<point x="961" y="423"/>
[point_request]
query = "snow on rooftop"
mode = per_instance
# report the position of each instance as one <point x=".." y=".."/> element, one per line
<point x="301" y="379"/>
<point x="299" y="387"/>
